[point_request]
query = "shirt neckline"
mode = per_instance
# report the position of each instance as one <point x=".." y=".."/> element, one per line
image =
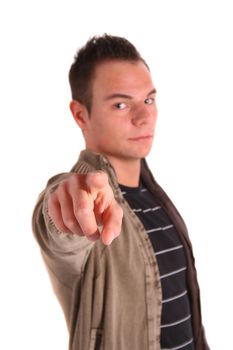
<point x="129" y="189"/>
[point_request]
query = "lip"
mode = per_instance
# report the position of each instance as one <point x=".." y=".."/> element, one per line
<point x="141" y="138"/>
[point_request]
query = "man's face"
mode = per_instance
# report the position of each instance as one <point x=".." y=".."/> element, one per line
<point x="123" y="115"/>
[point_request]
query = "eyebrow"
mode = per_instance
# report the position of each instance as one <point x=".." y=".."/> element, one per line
<point x="119" y="95"/>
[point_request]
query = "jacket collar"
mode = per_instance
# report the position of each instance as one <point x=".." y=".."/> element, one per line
<point x="100" y="162"/>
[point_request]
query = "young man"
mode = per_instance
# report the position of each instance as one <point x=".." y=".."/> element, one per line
<point x="116" y="249"/>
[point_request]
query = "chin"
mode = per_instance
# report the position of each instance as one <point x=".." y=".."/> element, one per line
<point x="144" y="152"/>
<point x="140" y="155"/>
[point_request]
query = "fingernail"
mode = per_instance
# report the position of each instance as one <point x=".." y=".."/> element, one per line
<point x="110" y="238"/>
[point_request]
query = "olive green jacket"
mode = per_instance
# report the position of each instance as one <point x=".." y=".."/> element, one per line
<point x="111" y="295"/>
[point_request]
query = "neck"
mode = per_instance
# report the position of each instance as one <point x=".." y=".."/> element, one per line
<point x="127" y="171"/>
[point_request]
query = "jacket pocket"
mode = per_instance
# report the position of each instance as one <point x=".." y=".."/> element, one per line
<point x="96" y="339"/>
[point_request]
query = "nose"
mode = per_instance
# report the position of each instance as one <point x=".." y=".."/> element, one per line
<point x="146" y="114"/>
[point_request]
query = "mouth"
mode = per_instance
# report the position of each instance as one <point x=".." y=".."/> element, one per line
<point x="141" y="138"/>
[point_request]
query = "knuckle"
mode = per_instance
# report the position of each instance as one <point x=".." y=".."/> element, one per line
<point x="97" y="179"/>
<point x="82" y="213"/>
<point x="61" y="190"/>
<point x="70" y="182"/>
<point x="74" y="179"/>
<point x="70" y="222"/>
<point x="83" y="208"/>
<point x="84" y="218"/>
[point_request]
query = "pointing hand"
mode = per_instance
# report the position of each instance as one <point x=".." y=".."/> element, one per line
<point x="81" y="203"/>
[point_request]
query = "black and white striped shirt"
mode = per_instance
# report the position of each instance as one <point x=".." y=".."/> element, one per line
<point x="176" y="319"/>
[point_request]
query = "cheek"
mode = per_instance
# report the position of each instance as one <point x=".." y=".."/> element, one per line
<point x="113" y="135"/>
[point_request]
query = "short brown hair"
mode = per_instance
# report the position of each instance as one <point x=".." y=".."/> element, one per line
<point x="97" y="50"/>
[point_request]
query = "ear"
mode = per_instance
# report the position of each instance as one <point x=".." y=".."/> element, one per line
<point x="80" y="113"/>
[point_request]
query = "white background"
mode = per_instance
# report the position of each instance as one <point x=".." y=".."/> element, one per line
<point x="188" y="45"/>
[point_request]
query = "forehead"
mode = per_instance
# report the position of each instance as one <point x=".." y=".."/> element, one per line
<point x="121" y="77"/>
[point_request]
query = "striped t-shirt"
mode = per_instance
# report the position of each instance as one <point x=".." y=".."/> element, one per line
<point x="176" y="319"/>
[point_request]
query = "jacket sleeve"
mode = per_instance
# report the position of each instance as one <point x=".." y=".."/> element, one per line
<point x="64" y="254"/>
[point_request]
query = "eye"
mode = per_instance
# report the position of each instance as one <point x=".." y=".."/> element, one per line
<point x="149" y="101"/>
<point x="120" y="105"/>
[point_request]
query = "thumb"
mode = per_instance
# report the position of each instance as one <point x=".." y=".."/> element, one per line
<point x="96" y="181"/>
<point x="100" y="190"/>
